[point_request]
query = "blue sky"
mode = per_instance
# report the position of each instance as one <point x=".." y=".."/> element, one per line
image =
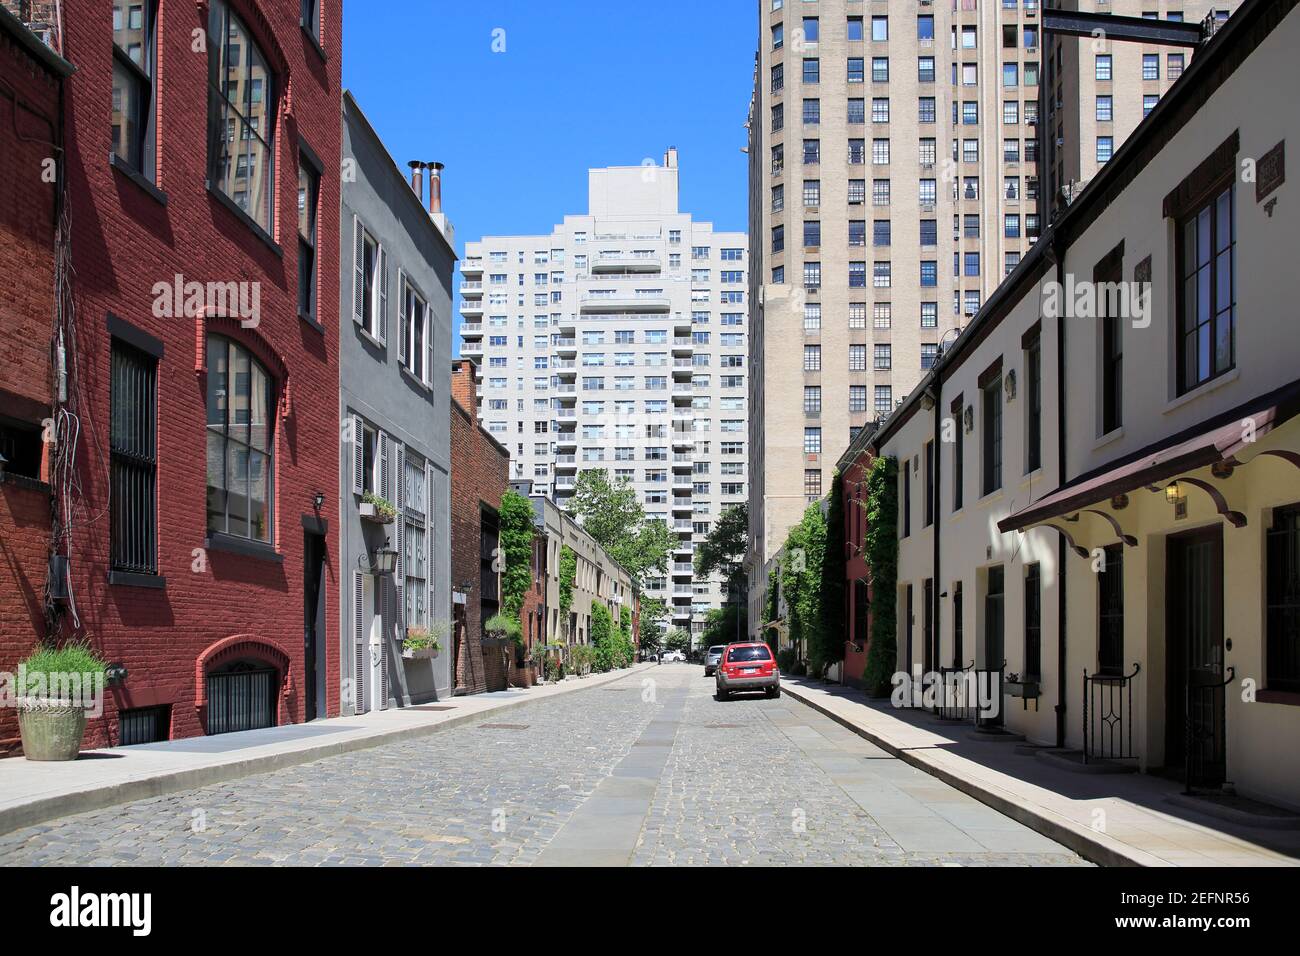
<point x="580" y="84"/>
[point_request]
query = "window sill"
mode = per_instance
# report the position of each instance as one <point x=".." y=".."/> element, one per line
<point x="415" y="379"/>
<point x="311" y="321"/>
<point x="131" y="579"/>
<point x="1287" y="697"/>
<point x="313" y="42"/>
<point x="267" y="239"/>
<point x="990" y="498"/>
<point x="135" y="176"/>
<point x="1204" y="388"/>
<point x="369" y="336"/>
<point x="217" y="541"/>
<point x="1115" y="434"/>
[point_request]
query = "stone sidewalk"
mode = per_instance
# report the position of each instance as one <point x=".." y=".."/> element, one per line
<point x="1111" y="819"/>
<point x="33" y="792"/>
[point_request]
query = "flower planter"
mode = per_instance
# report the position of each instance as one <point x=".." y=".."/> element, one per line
<point x="420" y="653"/>
<point x="51" y="729"/>
<point x="372" y="513"/>
<point x="1027" y="689"/>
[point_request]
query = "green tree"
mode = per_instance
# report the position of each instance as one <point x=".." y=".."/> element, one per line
<point x="722" y="625"/>
<point x="724" y="548"/>
<point x="517" y="531"/>
<point x="679" y="639"/>
<point x="568" y="574"/>
<point x="801" y="579"/>
<point x="613" y="516"/>
<point x="881" y="547"/>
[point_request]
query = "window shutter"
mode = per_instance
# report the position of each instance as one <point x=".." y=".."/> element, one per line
<point x="381" y="323"/>
<point x="358" y="456"/>
<point x="399" y="573"/>
<point x="430" y="545"/>
<point x="362" y="656"/>
<point x="358" y="273"/>
<point x="403" y="333"/>
<point x="382" y="702"/>
<point x="385" y="488"/>
<point x="428" y="344"/>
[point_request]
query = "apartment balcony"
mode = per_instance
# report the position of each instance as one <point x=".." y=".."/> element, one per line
<point x="566" y="462"/>
<point x="565" y="346"/>
<point x="564" y="366"/>
<point x="566" y="440"/>
<point x="683" y="343"/>
<point x="566" y="483"/>
<point x="472" y="266"/>
<point x="683" y="525"/>
<point x="683" y="480"/>
<point x="471" y="306"/>
<point x="566" y="390"/>
<point x="621" y="300"/>
<point x="471" y="330"/>
<point x="682" y="593"/>
<point x="680" y="568"/>
<point x="683" y="460"/>
<point x="566" y="413"/>
<point x="626" y="262"/>
<point x="682" y="504"/>
<point x="472" y="286"/>
<point x="684" y="438"/>
<point x="472" y="347"/>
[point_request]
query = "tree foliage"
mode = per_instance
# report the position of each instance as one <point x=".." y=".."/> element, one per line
<point x="724" y="548"/>
<point x="881" y="548"/>
<point x="613" y="516"/>
<point x="517" y="531"/>
<point x="679" y="639"/>
<point x="611" y="647"/>
<point x="720" y="625"/>
<point x="801" y="579"/>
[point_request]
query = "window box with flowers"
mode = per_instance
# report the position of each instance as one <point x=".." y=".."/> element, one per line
<point x="424" y="643"/>
<point x="376" y="509"/>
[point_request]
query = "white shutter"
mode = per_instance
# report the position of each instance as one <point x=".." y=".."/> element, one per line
<point x="381" y="323"/>
<point x="428" y="344"/>
<point x="382" y="702"/>
<point x="362" y="659"/>
<point x="432" y="612"/>
<point x="358" y="273"/>
<point x="385" y="489"/>
<point x="358" y="456"/>
<point x="399" y="573"/>
<point x="403" y="333"/>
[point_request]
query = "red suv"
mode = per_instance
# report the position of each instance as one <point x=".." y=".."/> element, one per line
<point x="748" y="667"/>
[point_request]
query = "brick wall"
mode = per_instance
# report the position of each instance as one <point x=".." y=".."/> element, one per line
<point x="124" y="241"/>
<point x="480" y="475"/>
<point x="29" y="124"/>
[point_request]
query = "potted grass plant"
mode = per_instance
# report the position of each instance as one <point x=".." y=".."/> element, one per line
<point x="424" y="643"/>
<point x="57" y="687"/>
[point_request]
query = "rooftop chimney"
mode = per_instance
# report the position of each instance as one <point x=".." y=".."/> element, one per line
<point x="435" y="187"/>
<point x="670" y="158"/>
<point x="464" y="386"/>
<point x="417" y="178"/>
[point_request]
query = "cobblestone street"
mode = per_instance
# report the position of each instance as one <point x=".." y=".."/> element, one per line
<point x="649" y="770"/>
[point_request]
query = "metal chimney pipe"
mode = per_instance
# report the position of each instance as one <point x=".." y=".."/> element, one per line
<point x="435" y="186"/>
<point x="417" y="178"/>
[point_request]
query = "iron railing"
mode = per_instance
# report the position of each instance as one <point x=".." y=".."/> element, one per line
<point x="1108" y="715"/>
<point x="241" y="700"/>
<point x="959" y="695"/>
<point x="992" y="678"/>
<point x="1205" y="727"/>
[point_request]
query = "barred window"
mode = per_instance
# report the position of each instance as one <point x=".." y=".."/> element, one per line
<point x="134" y="462"/>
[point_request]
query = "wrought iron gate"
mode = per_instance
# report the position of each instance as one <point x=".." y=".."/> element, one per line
<point x="241" y="698"/>
<point x="1207" y="759"/>
<point x="1108" y="715"/>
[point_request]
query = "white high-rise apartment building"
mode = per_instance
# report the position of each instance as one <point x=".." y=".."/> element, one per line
<point x="619" y="342"/>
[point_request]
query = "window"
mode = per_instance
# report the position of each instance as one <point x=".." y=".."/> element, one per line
<point x="812" y="483"/>
<point x="929" y="352"/>
<point x="879" y="152"/>
<point x="812" y="399"/>
<point x="991" y="432"/>
<point x="1033" y="623"/>
<point x="854" y="28"/>
<point x="925" y="112"/>
<point x="810" y="29"/>
<point x="855" y="69"/>
<point x="241" y="158"/>
<point x="412" y="543"/>
<point x="929" y="273"/>
<point x="1149" y="101"/>
<point x="857" y="111"/>
<point x="857" y="398"/>
<point x="1105" y="147"/>
<point x="811" y="70"/>
<point x="858" y="358"/>
<point x="311" y="18"/>
<point x="925" y="27"/>
<point x="308" y="200"/>
<point x="881" y="315"/>
<point x="925" y="69"/>
<point x="133" y="86"/>
<point x="812" y="233"/>
<point x="416" y="347"/>
<point x="370" y="284"/>
<point x="884" y="399"/>
<point x="879" y="29"/>
<point x="879" y="191"/>
<point x="812" y="316"/>
<point x="881" y="274"/>
<point x="1102" y="68"/>
<point x="812" y="358"/>
<point x="857" y="232"/>
<point x="1112" y="346"/>
<point x="778" y="117"/>
<point x="1011" y="225"/>
<point x="778" y="36"/>
<point x="1034" y="404"/>
<point x="1282" y="611"/>
<point x="958" y="453"/>
<point x="928" y="505"/>
<point x="880" y="232"/>
<point x="812" y="152"/>
<point x="905" y="466"/>
<point x="1105" y="112"/>
<point x="240" y="433"/>
<point x="778" y="238"/>
<point x="881" y="358"/>
<point x="778" y="78"/>
<point x="929" y="315"/>
<point x="1010" y="74"/>
<point x="1110" y="611"/>
<point x="880" y="69"/>
<point x="812" y="275"/>
<point x="1206" y="296"/>
<point x="1150" y="66"/>
<point x="134" y="462"/>
<point x="812" y="441"/>
<point x="1011" y="112"/>
<point x="1173" y="66"/>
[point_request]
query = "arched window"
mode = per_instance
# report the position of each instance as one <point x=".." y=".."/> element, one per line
<point x="240" y="442"/>
<point x="241" y="158"/>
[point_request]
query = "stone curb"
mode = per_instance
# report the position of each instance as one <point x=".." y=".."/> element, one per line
<point x="43" y="809"/>
<point x="1092" y="846"/>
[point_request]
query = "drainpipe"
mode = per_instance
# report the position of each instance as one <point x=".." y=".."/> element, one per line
<point x="936" y="603"/>
<point x="1063" y="554"/>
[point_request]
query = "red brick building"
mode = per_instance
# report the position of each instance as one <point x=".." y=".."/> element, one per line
<point x="855" y="466"/>
<point x="31" y="132"/>
<point x="203" y="361"/>
<point x="480" y="475"/>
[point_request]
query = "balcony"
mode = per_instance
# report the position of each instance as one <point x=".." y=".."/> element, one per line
<point x="621" y="300"/>
<point x="471" y="307"/>
<point x="566" y="462"/>
<point x="474" y="286"/>
<point x="471" y="347"/>
<point x="626" y="262"/>
<point x="471" y="329"/>
<point x="474" y="265"/>
<point x="682" y="504"/>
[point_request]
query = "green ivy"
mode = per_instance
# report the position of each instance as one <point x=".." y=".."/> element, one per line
<point x="801" y="580"/>
<point x="829" y="648"/>
<point x="568" y="574"/>
<point x="517" y="531"/>
<point x="881" y="549"/>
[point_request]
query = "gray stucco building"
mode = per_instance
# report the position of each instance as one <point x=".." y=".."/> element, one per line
<point x="395" y="356"/>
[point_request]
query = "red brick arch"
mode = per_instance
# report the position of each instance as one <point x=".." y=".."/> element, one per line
<point x="233" y="648"/>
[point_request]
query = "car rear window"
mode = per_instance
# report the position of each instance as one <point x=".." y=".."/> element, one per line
<point x="717" y="648"/>
<point x="742" y="654"/>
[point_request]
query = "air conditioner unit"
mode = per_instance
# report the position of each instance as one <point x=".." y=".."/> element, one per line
<point x="969" y="311"/>
<point x="927" y="165"/>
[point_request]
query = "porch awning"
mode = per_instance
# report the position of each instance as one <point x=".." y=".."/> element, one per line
<point x="1218" y="442"/>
